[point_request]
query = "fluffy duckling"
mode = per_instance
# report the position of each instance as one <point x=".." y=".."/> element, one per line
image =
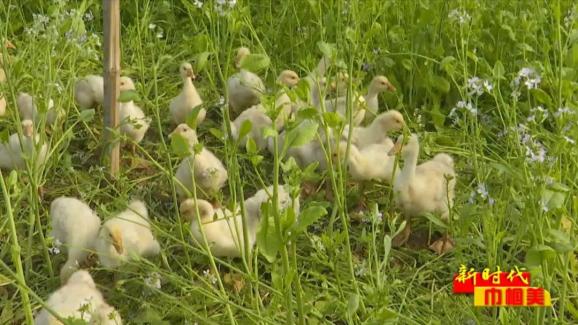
<point x="244" y="88"/>
<point x="13" y="153"/>
<point x="89" y="91"/>
<point x="253" y="204"/>
<point x="126" y="235"/>
<point x="28" y="110"/>
<point x="377" y="131"/>
<point x="378" y="85"/>
<point x="133" y="122"/>
<point x="306" y="154"/>
<point x="208" y="171"/>
<point x="225" y="233"/>
<point x="188" y="133"/>
<point x="182" y="105"/>
<point x="283" y="103"/>
<point x="259" y="120"/>
<point x="75" y="225"/>
<point x="428" y="187"/>
<point x="370" y="163"/>
<point x="361" y="104"/>
<point x="80" y="299"/>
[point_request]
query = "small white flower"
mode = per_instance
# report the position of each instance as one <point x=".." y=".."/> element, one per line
<point x="563" y="110"/>
<point x="159" y="34"/>
<point x="529" y="76"/>
<point x="152" y="26"/>
<point x="207" y="273"/>
<point x="88" y="16"/>
<point x="482" y="191"/>
<point x="198" y="3"/>
<point x="461" y="16"/>
<point x="533" y="83"/>
<point x="54" y="250"/>
<point x="488" y="86"/>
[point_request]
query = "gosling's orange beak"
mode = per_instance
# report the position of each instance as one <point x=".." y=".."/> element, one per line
<point x="391" y="87"/>
<point x="9" y="45"/>
<point x="191" y="74"/>
<point x="117" y="241"/>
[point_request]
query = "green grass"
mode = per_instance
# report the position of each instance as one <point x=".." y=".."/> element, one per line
<point x="341" y="270"/>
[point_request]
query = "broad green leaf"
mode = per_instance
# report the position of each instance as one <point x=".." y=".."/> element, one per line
<point x="255" y="62"/>
<point x="553" y="199"/>
<point x="437" y="117"/>
<point x="352" y="304"/>
<point x="217" y="133"/>
<point x="573" y="37"/>
<point x="307" y="114"/>
<point x="200" y="43"/>
<point x="537" y="254"/>
<point x="560" y="241"/>
<point x="499" y="70"/>
<point x="246" y="127"/>
<point x="128" y="95"/>
<point x="388" y="62"/>
<point x="542" y="97"/>
<point x="350" y="34"/>
<point x="12" y="179"/>
<point x="386" y="248"/>
<point x="327" y="49"/>
<point x="4" y="135"/>
<point x="407" y="64"/>
<point x="191" y="119"/>
<point x="251" y="146"/>
<point x="269" y="132"/>
<point x="180" y="146"/>
<point x="308" y="217"/>
<point x="448" y="63"/>
<point x="87" y="115"/>
<point x="256" y="159"/>
<point x="301" y="135"/>
<point x="437" y="221"/>
<point x="333" y="119"/>
<point x="201" y="61"/>
<point x="440" y="84"/>
<point x="302" y="90"/>
<point x="268" y="240"/>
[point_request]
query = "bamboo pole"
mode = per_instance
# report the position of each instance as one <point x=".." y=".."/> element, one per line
<point x="111" y="82"/>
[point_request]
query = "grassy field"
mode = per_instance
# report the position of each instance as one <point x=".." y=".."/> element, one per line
<point x="493" y="83"/>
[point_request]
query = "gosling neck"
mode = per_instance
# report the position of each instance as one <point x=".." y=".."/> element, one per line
<point x="410" y="164"/>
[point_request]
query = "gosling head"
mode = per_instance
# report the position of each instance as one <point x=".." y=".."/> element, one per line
<point x="126" y="83"/>
<point x="189" y="210"/>
<point x="380" y="84"/>
<point x="389" y="121"/>
<point x="81" y="276"/>
<point x="242" y="52"/>
<point x="186" y="71"/>
<point x="28" y="128"/>
<point x="186" y="132"/>
<point x="288" y="78"/>
<point x="114" y="237"/>
<point x="139" y="207"/>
